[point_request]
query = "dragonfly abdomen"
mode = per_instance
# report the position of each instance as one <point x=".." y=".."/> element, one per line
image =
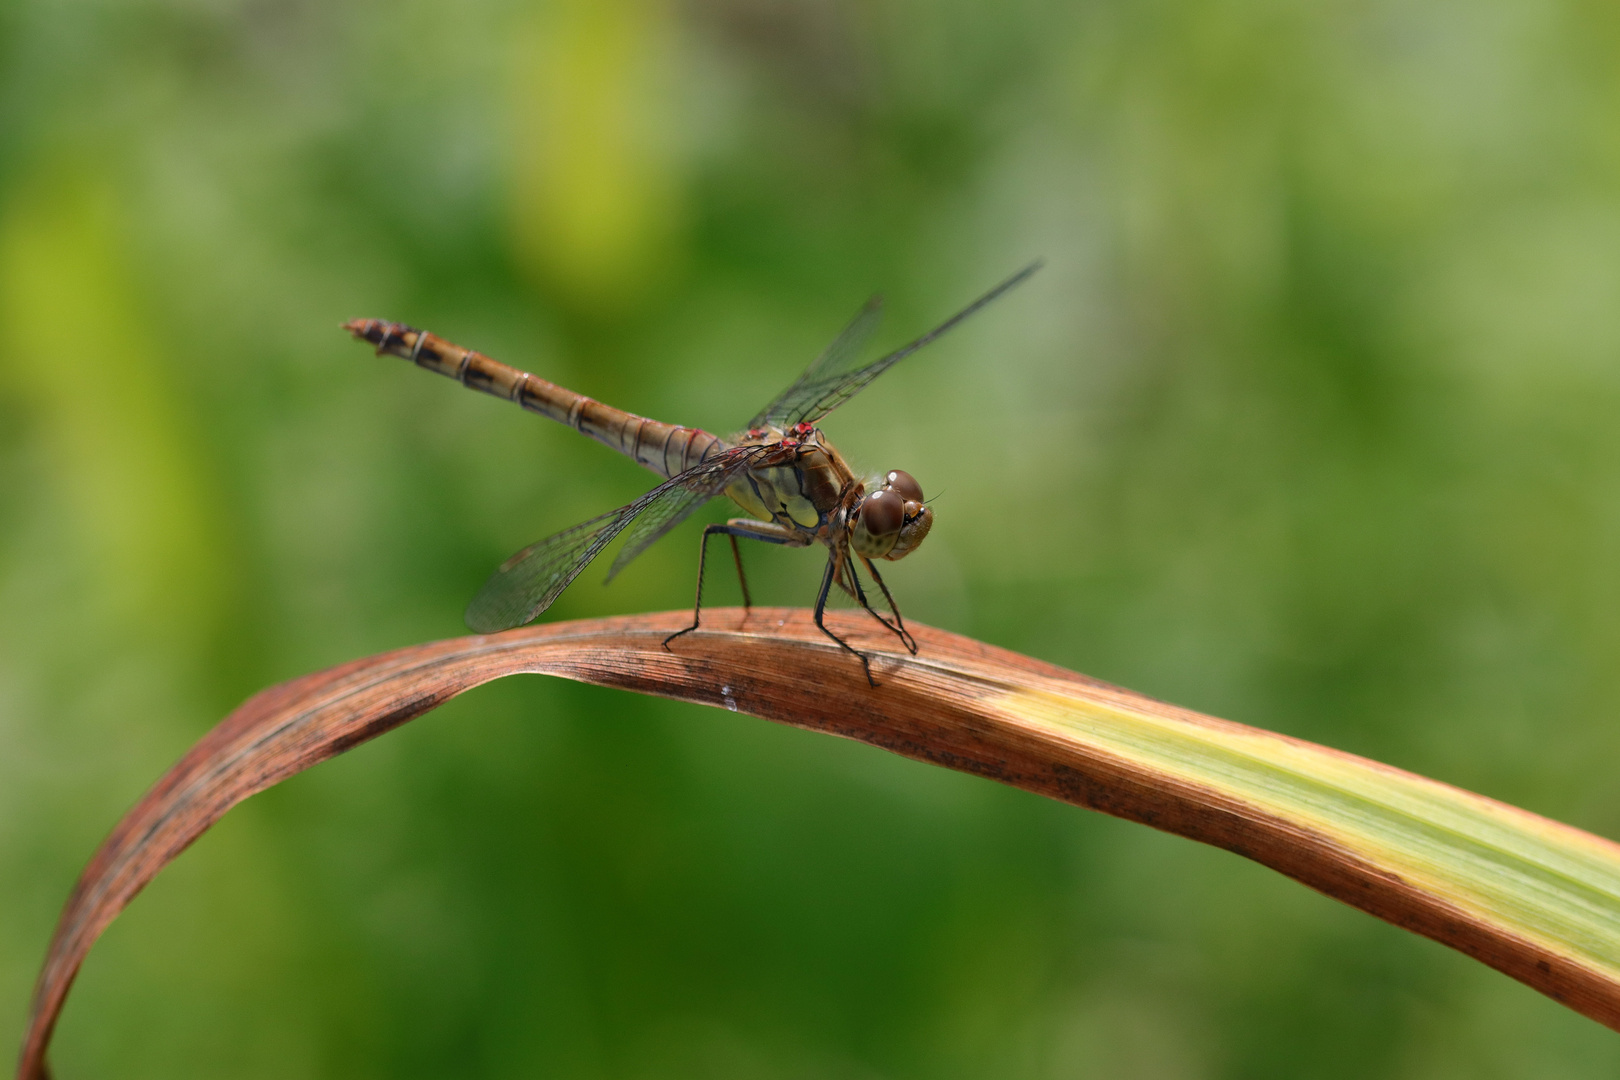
<point x="666" y="449"/>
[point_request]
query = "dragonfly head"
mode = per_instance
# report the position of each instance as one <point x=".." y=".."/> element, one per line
<point x="891" y="521"/>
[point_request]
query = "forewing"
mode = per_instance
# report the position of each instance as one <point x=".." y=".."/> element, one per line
<point x="838" y="358"/>
<point x="530" y="581"/>
<point x="825" y="386"/>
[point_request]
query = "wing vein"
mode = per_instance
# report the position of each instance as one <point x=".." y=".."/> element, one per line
<point x="832" y="380"/>
<point x="530" y="581"/>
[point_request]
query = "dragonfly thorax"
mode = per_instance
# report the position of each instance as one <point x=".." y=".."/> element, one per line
<point x="892" y="520"/>
<point x="808" y="490"/>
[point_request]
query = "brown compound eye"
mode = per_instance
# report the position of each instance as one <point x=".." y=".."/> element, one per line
<point x="903" y="485"/>
<point x="882" y="513"/>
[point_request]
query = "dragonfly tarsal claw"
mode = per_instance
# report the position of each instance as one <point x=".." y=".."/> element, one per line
<point x="676" y="634"/>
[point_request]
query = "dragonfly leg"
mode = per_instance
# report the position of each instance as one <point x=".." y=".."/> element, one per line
<point x="899" y="625"/>
<point x="742" y="578"/>
<point x="838" y="580"/>
<point x="896" y="628"/>
<point x="821" y="608"/>
<point x="748" y="530"/>
<point x="859" y="593"/>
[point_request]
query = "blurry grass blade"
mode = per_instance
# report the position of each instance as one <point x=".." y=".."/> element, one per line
<point x="1528" y="896"/>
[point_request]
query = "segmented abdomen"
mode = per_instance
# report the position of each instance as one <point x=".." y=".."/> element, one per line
<point x="666" y="449"/>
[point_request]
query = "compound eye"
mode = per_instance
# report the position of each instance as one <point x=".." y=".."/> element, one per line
<point x="907" y="488"/>
<point x="883" y="513"/>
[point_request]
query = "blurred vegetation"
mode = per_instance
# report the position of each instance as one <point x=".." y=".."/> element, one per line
<point x="1309" y="423"/>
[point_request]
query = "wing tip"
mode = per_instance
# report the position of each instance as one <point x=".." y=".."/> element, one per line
<point x="479" y="626"/>
<point x="1021" y="276"/>
<point x="483" y="617"/>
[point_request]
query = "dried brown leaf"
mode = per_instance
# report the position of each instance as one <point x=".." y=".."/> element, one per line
<point x="1532" y="898"/>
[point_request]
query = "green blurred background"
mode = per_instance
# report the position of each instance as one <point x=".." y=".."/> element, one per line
<point x="1309" y="422"/>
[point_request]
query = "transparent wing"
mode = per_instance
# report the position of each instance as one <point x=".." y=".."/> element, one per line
<point x="832" y="379"/>
<point x="528" y="582"/>
<point x="836" y="358"/>
<point x="657" y="520"/>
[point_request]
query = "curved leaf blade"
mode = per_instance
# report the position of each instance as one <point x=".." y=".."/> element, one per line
<point x="1532" y="898"/>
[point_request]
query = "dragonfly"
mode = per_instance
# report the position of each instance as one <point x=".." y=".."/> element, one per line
<point x="794" y="486"/>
